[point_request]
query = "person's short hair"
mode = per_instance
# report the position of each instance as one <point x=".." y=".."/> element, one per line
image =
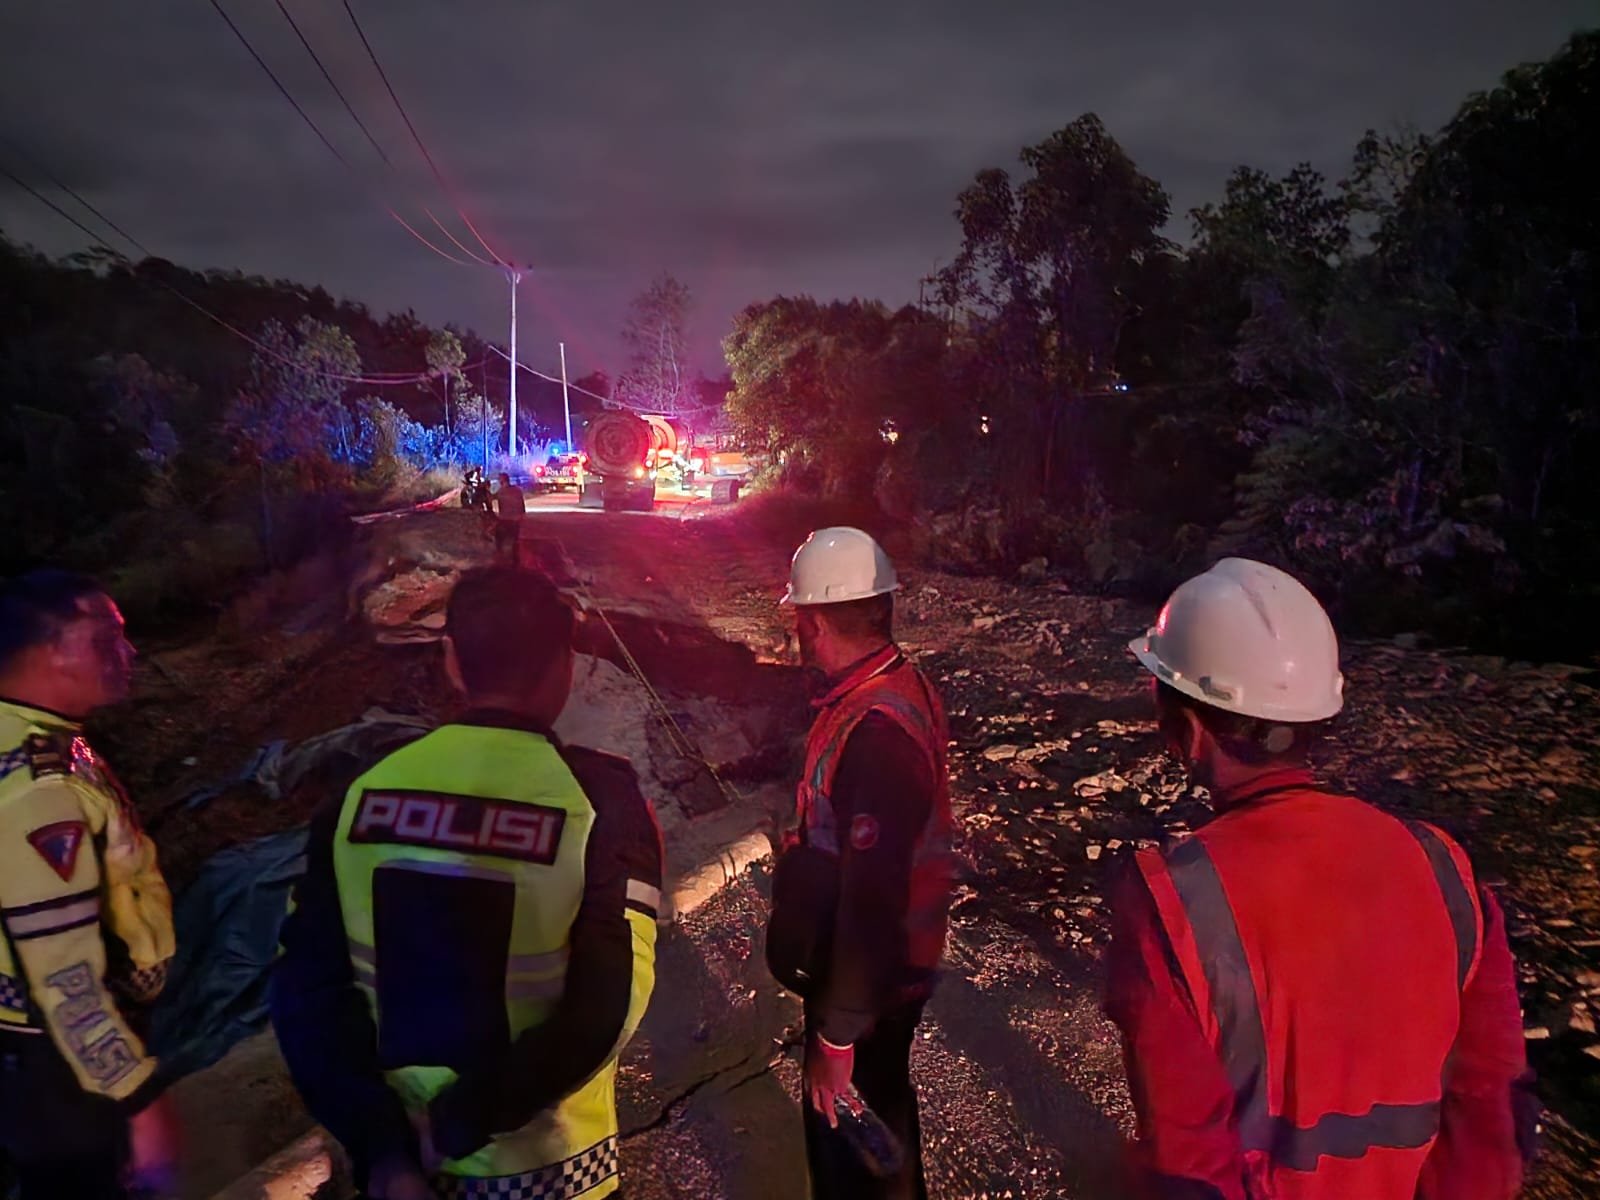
<point x="1251" y="740"/>
<point x="34" y="607"/>
<point x="861" y="619"/>
<point x="504" y="476"/>
<point x="509" y="625"/>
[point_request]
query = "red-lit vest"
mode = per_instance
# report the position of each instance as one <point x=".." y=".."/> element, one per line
<point x="1326" y="945"/>
<point x="888" y="684"/>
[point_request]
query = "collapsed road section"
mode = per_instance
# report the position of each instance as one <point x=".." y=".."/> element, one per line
<point x="712" y="731"/>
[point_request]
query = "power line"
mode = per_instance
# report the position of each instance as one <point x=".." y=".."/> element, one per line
<point x="348" y="107"/>
<point x="315" y="128"/>
<point x="417" y="137"/>
<point x="549" y="378"/>
<point x="37" y="166"/>
<point x="391" y="379"/>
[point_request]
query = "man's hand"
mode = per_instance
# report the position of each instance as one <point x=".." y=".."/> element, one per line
<point x="155" y="1147"/>
<point x="828" y="1070"/>
<point x="397" y="1179"/>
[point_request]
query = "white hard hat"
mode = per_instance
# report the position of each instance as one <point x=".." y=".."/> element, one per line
<point x="833" y="566"/>
<point x="1249" y="639"/>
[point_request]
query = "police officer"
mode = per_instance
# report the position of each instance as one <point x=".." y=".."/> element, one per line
<point x="474" y="940"/>
<point x="862" y="892"/>
<point x="86" y="913"/>
<point x="1316" y="999"/>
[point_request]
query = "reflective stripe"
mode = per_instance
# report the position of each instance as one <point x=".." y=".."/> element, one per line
<point x="537" y="964"/>
<point x="39" y="920"/>
<point x="456" y="869"/>
<point x="362" y="953"/>
<point x="642" y="893"/>
<point x="570" y="1177"/>
<point x="1463" y="917"/>
<point x="536" y="989"/>
<point x="1339" y="1135"/>
<point x="1233" y="991"/>
<point x="1243" y="1039"/>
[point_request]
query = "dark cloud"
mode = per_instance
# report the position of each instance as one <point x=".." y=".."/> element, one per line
<point x="817" y="149"/>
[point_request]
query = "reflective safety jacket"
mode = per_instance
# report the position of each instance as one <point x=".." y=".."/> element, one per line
<point x="475" y="940"/>
<point x="1317" y="1001"/>
<point x="883" y="702"/>
<point x="87" y="915"/>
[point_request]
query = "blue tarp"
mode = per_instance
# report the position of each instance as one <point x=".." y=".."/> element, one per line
<point x="227" y="922"/>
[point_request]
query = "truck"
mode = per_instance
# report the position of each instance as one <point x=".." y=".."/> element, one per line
<point x="623" y="451"/>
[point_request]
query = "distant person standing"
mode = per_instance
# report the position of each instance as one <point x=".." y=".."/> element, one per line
<point x="862" y="891"/>
<point x="87" y="916"/>
<point x="510" y="507"/>
<point x="1317" y="1000"/>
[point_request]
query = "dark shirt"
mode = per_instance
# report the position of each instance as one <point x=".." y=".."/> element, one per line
<point x="509" y="502"/>
<point x="882" y="795"/>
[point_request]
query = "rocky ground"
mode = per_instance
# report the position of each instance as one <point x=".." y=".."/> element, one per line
<point x="1057" y="769"/>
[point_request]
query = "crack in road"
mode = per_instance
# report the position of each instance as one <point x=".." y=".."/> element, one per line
<point x="675" y="1106"/>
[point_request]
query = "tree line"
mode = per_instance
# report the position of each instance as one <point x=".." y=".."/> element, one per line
<point x="1384" y="382"/>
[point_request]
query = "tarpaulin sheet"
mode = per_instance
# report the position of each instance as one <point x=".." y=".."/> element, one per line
<point x="227" y="922"/>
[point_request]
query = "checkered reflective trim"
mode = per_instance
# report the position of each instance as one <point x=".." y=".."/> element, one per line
<point x="12" y="995"/>
<point x="569" y="1178"/>
<point x="12" y="760"/>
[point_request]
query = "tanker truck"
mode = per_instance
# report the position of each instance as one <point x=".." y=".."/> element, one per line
<point x="622" y="451"/>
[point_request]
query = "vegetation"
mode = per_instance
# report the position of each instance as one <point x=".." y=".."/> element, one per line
<point x="1386" y="383"/>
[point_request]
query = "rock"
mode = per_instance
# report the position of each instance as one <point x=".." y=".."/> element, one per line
<point x="1536" y="1033"/>
<point x="1034" y="571"/>
<point x="1093" y="850"/>
<point x="1593" y="1051"/>
<point x="984" y="623"/>
<point x="1001" y="753"/>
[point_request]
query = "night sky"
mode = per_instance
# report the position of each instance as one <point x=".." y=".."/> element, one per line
<point x="749" y="148"/>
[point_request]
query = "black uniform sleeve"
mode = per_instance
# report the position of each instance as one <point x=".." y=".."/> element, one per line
<point x="609" y="973"/>
<point x="324" y="1026"/>
<point x="882" y="795"/>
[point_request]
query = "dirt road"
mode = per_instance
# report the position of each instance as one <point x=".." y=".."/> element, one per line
<point x="1056" y="769"/>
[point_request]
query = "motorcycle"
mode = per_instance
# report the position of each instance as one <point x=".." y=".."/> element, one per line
<point x="475" y="491"/>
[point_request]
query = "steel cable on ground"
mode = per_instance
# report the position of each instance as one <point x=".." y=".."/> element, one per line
<point x="681" y="742"/>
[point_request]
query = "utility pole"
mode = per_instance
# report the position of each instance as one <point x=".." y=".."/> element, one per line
<point x="511" y="432"/>
<point x="566" y="405"/>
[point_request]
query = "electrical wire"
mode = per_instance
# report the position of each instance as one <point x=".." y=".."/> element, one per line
<point x="316" y="129"/>
<point x="337" y="91"/>
<point x="350" y="108"/>
<point x="391" y="379"/>
<point x="417" y="137"/>
<point x="550" y="378"/>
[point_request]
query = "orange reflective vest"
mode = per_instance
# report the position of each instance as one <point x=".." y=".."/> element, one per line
<point x="887" y="683"/>
<point x="1325" y="946"/>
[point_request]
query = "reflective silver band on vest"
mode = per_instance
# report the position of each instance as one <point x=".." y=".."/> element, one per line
<point x="1463" y="920"/>
<point x="1243" y="1047"/>
<point x="571" y="1177"/>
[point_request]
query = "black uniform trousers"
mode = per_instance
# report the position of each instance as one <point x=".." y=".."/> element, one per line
<point x="60" y="1142"/>
<point x="882" y="1074"/>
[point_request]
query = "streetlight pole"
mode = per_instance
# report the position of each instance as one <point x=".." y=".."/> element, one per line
<point x="515" y="276"/>
<point x="566" y="405"/>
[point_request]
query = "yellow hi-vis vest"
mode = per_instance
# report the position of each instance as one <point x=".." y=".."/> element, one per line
<point x="76" y="869"/>
<point x="529" y="826"/>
